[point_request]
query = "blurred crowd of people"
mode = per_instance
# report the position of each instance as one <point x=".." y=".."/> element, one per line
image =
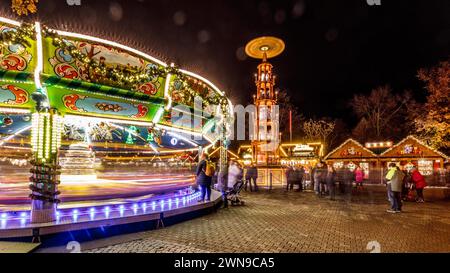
<point x="324" y="180"/>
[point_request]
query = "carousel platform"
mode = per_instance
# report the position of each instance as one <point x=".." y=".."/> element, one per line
<point x="17" y="224"/>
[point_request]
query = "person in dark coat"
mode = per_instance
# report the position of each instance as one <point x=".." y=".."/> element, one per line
<point x="222" y="185"/>
<point x="290" y="178"/>
<point x="203" y="180"/>
<point x="331" y="180"/>
<point x="319" y="174"/>
<point x="250" y="177"/>
<point x="299" y="174"/>
<point x="247" y="178"/>
<point x="347" y="180"/>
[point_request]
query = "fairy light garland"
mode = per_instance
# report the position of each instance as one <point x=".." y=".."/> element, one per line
<point x="19" y="35"/>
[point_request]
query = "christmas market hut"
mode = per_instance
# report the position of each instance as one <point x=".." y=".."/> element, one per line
<point x="352" y="154"/>
<point x="412" y="152"/>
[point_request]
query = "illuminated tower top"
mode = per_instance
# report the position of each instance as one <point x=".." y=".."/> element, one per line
<point x="265" y="48"/>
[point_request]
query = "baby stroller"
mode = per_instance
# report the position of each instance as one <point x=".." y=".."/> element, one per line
<point x="233" y="194"/>
<point x="410" y="196"/>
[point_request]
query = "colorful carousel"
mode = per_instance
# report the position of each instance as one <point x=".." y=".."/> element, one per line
<point x="95" y="133"/>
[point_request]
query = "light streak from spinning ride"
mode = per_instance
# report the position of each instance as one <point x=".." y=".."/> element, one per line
<point x="14" y="135"/>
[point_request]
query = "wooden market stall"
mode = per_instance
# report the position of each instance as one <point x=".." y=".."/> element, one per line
<point x="352" y="154"/>
<point x="412" y="152"/>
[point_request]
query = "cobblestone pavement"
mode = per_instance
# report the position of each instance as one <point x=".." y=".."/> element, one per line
<point x="303" y="222"/>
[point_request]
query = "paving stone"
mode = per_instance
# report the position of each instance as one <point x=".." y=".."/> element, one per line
<point x="303" y="222"/>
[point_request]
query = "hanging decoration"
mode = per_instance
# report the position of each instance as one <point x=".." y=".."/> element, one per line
<point x="101" y="131"/>
<point x="73" y="131"/>
<point x="24" y="7"/>
<point x="150" y="135"/>
<point x="132" y="130"/>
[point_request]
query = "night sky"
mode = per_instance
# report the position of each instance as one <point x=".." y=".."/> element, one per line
<point x="333" y="48"/>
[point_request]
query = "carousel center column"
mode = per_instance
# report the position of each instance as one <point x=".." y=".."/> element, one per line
<point x="45" y="171"/>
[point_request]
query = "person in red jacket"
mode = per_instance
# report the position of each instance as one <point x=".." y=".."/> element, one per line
<point x="419" y="182"/>
<point x="359" y="177"/>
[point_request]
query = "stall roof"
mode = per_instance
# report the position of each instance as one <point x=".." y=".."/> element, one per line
<point x="360" y="152"/>
<point x="427" y="151"/>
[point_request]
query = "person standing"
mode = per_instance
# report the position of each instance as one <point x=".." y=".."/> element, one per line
<point x="320" y="173"/>
<point x="394" y="179"/>
<point x="419" y="183"/>
<point x="316" y="173"/>
<point x="248" y="173"/>
<point x="253" y="177"/>
<point x="250" y="177"/>
<point x="406" y="186"/>
<point x="299" y="174"/>
<point x="222" y="185"/>
<point x="204" y="179"/>
<point x="331" y="180"/>
<point x="234" y="174"/>
<point x="347" y="180"/>
<point x="290" y="177"/>
<point x="359" y="177"/>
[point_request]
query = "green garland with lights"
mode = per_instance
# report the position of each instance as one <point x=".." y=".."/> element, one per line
<point x="188" y="94"/>
<point x="126" y="77"/>
<point x="18" y="36"/>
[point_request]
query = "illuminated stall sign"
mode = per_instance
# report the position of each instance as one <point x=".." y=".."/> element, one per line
<point x="302" y="150"/>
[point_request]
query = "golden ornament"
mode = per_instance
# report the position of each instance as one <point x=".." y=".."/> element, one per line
<point x="23" y="7"/>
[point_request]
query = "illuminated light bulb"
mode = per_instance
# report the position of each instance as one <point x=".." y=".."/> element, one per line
<point x="92" y="213"/>
<point x="75" y="215"/>
<point x="4" y="215"/>
<point x="153" y="205"/>
<point x="107" y="209"/>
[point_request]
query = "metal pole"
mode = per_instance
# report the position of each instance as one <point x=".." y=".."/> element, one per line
<point x="290" y="126"/>
<point x="270" y="181"/>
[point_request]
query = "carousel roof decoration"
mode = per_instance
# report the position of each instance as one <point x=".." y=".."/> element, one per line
<point x="24" y="7"/>
<point x="415" y="139"/>
<point x="355" y="143"/>
<point x="100" y="79"/>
